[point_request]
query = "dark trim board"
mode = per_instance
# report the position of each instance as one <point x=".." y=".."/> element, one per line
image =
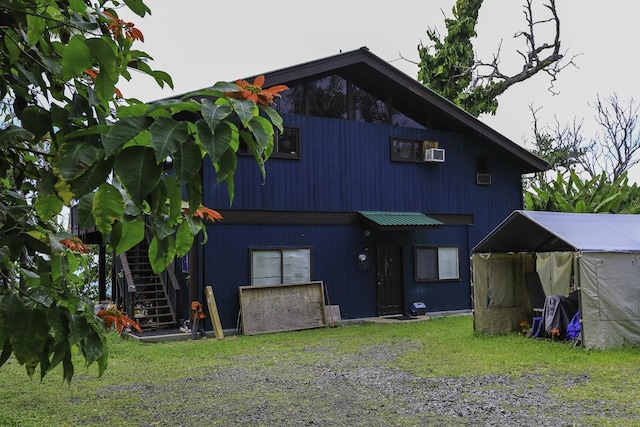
<point x="288" y="217"/>
<point x="232" y="216"/>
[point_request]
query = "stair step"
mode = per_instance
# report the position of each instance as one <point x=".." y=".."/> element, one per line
<point x="155" y="309"/>
<point x="149" y="290"/>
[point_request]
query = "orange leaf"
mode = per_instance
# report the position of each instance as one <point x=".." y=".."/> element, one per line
<point x="109" y="15"/>
<point x="136" y="34"/>
<point x="275" y="89"/>
<point x="91" y="73"/>
<point x="259" y="81"/>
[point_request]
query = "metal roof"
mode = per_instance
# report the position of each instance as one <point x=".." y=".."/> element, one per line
<point x="536" y="231"/>
<point x="398" y="220"/>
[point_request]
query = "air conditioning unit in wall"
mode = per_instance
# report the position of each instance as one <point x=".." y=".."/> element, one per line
<point x="434" y="155"/>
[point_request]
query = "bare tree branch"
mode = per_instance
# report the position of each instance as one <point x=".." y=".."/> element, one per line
<point x="618" y="142"/>
<point x="545" y="57"/>
<point x="613" y="149"/>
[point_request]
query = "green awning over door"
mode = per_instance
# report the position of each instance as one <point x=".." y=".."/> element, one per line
<point x="386" y="220"/>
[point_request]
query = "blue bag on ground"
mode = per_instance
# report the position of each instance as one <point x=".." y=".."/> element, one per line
<point x="573" y="329"/>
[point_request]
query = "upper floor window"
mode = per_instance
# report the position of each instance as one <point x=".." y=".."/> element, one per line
<point x="291" y="100"/>
<point x="327" y="97"/>
<point x="285" y="145"/>
<point x="407" y="150"/>
<point x="337" y="97"/>
<point x="400" y="119"/>
<point x="369" y="108"/>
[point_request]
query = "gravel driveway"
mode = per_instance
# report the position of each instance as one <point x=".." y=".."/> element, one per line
<point x="354" y="390"/>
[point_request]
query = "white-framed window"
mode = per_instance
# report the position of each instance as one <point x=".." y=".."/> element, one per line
<point x="275" y="266"/>
<point x="436" y="263"/>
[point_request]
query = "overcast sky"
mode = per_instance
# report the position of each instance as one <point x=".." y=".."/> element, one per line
<point x="200" y="42"/>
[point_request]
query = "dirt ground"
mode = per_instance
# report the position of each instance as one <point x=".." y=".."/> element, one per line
<point x="357" y="390"/>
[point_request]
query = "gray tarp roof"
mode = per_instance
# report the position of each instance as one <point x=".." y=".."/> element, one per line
<point x="536" y="231"/>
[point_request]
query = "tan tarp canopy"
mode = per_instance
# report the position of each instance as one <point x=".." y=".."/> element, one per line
<point x="597" y="254"/>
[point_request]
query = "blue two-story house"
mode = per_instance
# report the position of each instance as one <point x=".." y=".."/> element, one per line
<point x="378" y="187"/>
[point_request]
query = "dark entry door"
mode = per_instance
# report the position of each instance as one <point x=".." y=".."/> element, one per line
<point x="390" y="295"/>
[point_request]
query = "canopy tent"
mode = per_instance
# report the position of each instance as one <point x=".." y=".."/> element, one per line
<point x="595" y="254"/>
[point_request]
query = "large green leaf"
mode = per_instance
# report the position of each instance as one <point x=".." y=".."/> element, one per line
<point x="273" y="115"/>
<point x="37" y="120"/>
<point x="78" y="329"/>
<point x="60" y="352"/>
<point x="157" y="200"/>
<point x="164" y="228"/>
<point x="138" y="7"/>
<point x="216" y="144"/>
<point x="184" y="239"/>
<point x="84" y="208"/>
<point x="127" y="234"/>
<point x="6" y="350"/>
<point x="58" y="319"/>
<point x="262" y="131"/>
<point x="76" y="57"/>
<point x="230" y="189"/>
<point x="77" y="6"/>
<point x="226" y="166"/>
<point x="166" y="136"/>
<point x="194" y="193"/>
<point x="245" y="110"/>
<point x="195" y="224"/>
<point x="47" y="203"/>
<point x="94" y="346"/>
<point x="214" y="112"/>
<point x="138" y="172"/>
<point x="68" y="370"/>
<point x="174" y="196"/>
<point x="258" y="155"/>
<point x="14" y="134"/>
<point x="161" y="253"/>
<point x="124" y="130"/>
<point x="104" y="87"/>
<point x="35" y="27"/>
<point x="80" y="107"/>
<point x="92" y="178"/>
<point x="26" y="327"/>
<point x="187" y="161"/>
<point x="74" y="158"/>
<point x="108" y="207"/>
<point x="102" y="51"/>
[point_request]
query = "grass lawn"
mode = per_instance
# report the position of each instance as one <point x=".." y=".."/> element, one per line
<point x="441" y="347"/>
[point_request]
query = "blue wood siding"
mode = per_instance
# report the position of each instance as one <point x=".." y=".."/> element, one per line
<point x="334" y="252"/>
<point x="334" y="260"/>
<point x="346" y="166"/>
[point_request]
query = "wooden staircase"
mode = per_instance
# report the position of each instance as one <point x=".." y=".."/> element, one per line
<point x="149" y="303"/>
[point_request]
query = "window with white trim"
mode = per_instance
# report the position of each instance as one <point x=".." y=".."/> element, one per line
<point x="436" y="263"/>
<point x="275" y="266"/>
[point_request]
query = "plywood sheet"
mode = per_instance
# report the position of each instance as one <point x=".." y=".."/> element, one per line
<point x="278" y="308"/>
